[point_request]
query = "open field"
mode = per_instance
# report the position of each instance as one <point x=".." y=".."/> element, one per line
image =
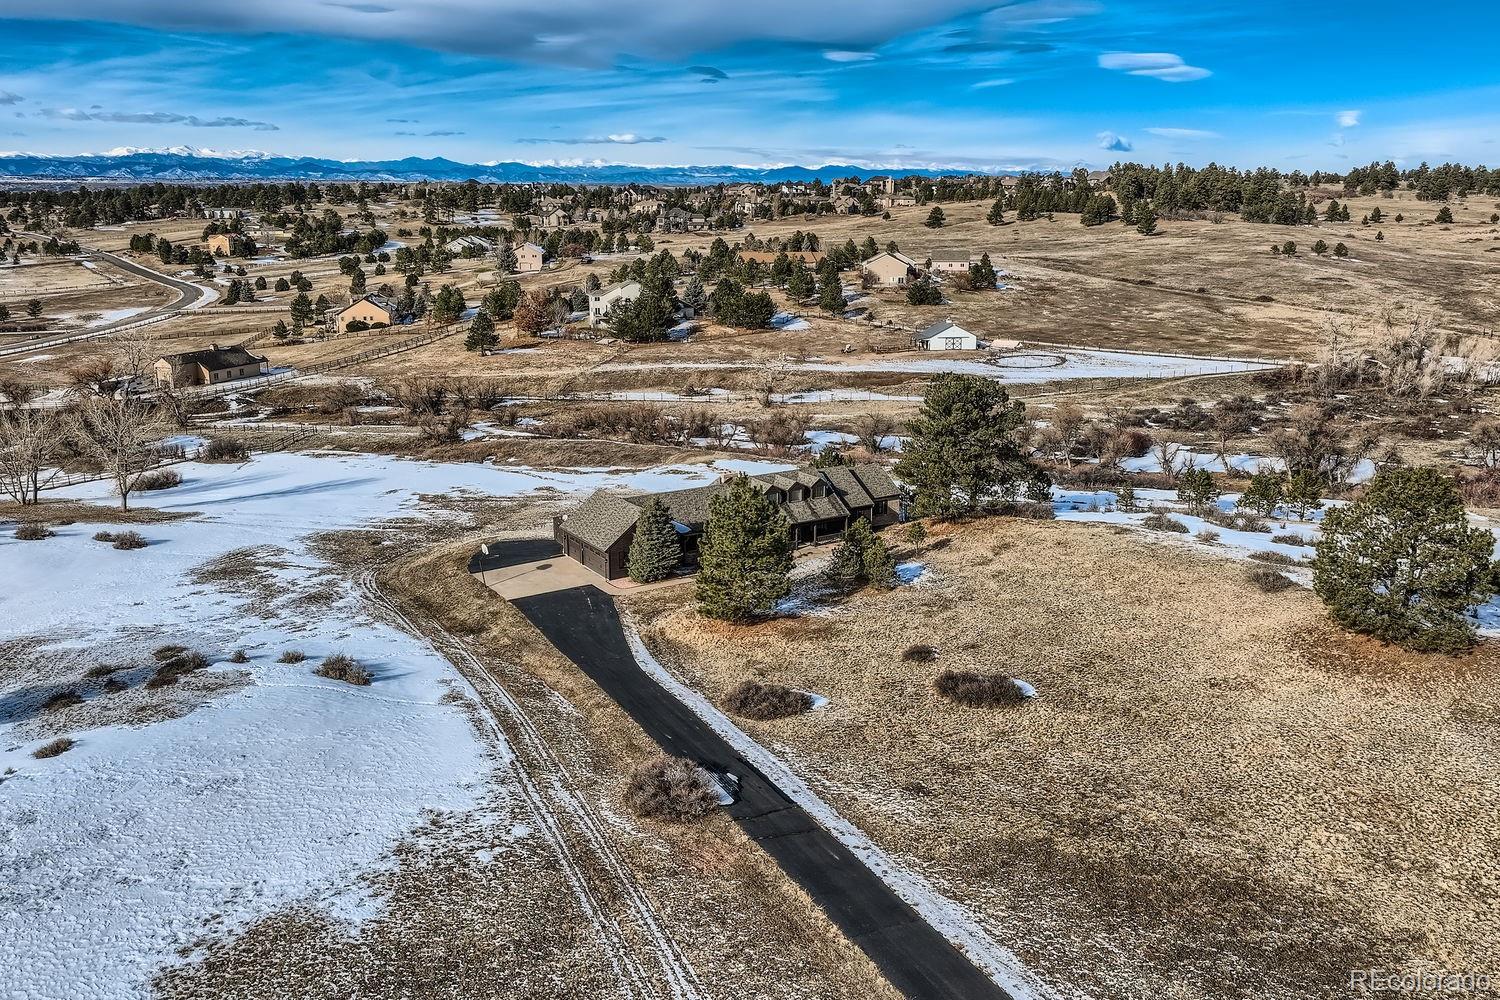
<point x="1214" y="795"/>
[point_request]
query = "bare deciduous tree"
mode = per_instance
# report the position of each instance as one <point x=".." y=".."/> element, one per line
<point x="118" y="435"/>
<point x="872" y="429"/>
<point x="28" y="444"/>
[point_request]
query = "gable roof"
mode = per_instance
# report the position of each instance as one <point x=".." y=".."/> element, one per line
<point x="962" y="255"/>
<point x="602" y="519"/>
<point x="214" y="358"/>
<point x="533" y="246"/>
<point x="943" y="328"/>
<point x="895" y="255"/>
<point x="375" y="299"/>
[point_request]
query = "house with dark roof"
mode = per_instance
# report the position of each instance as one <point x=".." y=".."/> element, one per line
<point x="818" y="504"/>
<point x="210" y="366"/>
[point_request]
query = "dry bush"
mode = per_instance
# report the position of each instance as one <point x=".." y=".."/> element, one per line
<point x="343" y="667"/>
<point x="104" y="536"/>
<point x="1482" y="490"/>
<point x="63" y="699"/>
<point x="919" y="653"/>
<point x="1269" y="581"/>
<point x="164" y="653"/>
<point x="222" y="449"/>
<point x="164" y="479"/>
<point x="978" y="690"/>
<point x="670" y="789"/>
<point x="763" y="702"/>
<point x="291" y="656"/>
<point x="1292" y="538"/>
<point x="127" y="540"/>
<point x="239" y="656"/>
<point x="60" y="745"/>
<point x="1207" y="535"/>
<point x="1237" y="521"/>
<point x="1163" y="522"/>
<point x="33" y="531"/>
<point x="1276" y="558"/>
<point x="1030" y="511"/>
<point x="779" y="432"/>
<point x="178" y="666"/>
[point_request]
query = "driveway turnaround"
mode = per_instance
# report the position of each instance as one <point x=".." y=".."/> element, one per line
<point x="584" y="624"/>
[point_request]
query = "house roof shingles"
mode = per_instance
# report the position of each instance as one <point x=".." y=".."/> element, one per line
<point x="214" y="358"/>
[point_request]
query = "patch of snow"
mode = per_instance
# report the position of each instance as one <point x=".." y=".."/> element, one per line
<point x="912" y="573"/>
<point x="789" y="321"/>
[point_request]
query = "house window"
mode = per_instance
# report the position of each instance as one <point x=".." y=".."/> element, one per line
<point x="881" y="507"/>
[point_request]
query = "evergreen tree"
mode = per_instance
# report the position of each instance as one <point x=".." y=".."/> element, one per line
<point x="962" y="455"/>
<point x="280" y="331"/>
<point x="656" y="548"/>
<point x="1145" y="219"/>
<point x="996" y="214"/>
<point x="935" y="218"/>
<point x="1197" y="488"/>
<point x="505" y="258"/>
<point x="1320" y="248"/>
<point x="924" y="292"/>
<point x="1339" y="250"/>
<point x="799" y="283"/>
<point x="1403" y="564"/>
<point x="1304" y="492"/>
<point x="982" y="275"/>
<point x="1263" y="495"/>
<point x="481" y="333"/>
<point x="357" y="283"/>
<point x="831" y="296"/>
<point x="745" y="555"/>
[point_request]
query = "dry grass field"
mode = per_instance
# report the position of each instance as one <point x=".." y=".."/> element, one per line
<point x="1216" y="794"/>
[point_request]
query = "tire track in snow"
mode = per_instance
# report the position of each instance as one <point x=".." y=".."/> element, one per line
<point x="675" y="971"/>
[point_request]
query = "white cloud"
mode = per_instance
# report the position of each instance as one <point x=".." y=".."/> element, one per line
<point x="616" y="139"/>
<point x="1003" y="81"/>
<point x="1161" y="65"/>
<point x="1184" y="133"/>
<point x="154" y="118"/>
<point x="1348" y="119"/>
<point x="1117" y="143"/>
<point x="847" y="56"/>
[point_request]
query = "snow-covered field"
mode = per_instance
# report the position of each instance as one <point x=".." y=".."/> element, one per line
<point x="277" y="786"/>
<point x="1018" y="369"/>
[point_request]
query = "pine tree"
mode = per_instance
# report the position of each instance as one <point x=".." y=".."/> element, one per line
<point x="962" y="454"/>
<point x="831" y="296"/>
<point x="1263" y="495"/>
<point x="1444" y="216"/>
<point x="880" y="565"/>
<point x="996" y="215"/>
<point x="982" y="275"/>
<point x="656" y="548"/>
<point x="924" y="292"/>
<point x="1320" y="248"/>
<point x="935" y="218"/>
<point x="1145" y="219"/>
<point x="1339" y="250"/>
<point x="745" y="555"/>
<point x="847" y="565"/>
<point x="481" y="333"/>
<point x="1403" y="564"/>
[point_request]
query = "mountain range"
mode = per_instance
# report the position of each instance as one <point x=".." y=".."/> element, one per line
<point x="187" y="165"/>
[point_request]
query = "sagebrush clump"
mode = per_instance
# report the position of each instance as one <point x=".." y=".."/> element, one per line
<point x="164" y="479"/>
<point x="33" y="531"/>
<point x="978" y="690"/>
<point x="60" y="745"/>
<point x="176" y="667"/>
<point x="223" y="450"/>
<point x="671" y="789"/>
<point x="763" y="702"/>
<point x="919" y="653"/>
<point x="1269" y="581"/>
<point x="128" y="540"/>
<point x="291" y="656"/>
<point x="1163" y="522"/>
<point x="342" y="667"/>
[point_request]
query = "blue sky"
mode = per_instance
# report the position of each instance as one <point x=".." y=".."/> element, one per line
<point x="951" y="83"/>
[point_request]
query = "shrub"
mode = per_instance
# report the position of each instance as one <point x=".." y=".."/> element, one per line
<point x="291" y="656"/>
<point x="1237" y="521"/>
<point x="978" y="690"/>
<point x="342" y="667"/>
<point x="1208" y="535"/>
<point x="1275" y="558"/>
<point x="1292" y="538"/>
<point x="1270" y="581"/>
<point x="63" y="699"/>
<point x="762" y="702"/>
<point x="670" y="789"/>
<point x="920" y="653"/>
<point x="1161" y="522"/>
<point x="60" y="745"/>
<point x="164" y="653"/>
<point x="239" y="656"/>
<point x="33" y="531"/>
<point x="104" y="536"/>
<point x="126" y="540"/>
<point x="175" y="667"/>
<point x="224" y="450"/>
<point x="164" y="479"/>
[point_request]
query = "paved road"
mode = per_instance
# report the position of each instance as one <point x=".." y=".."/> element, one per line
<point x="188" y="295"/>
<point x="584" y="625"/>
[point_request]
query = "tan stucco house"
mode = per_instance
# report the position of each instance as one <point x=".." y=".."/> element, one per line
<point x="371" y="310"/>
<point x="220" y="245"/>
<point x="528" y="258"/>
<point x="209" y="366"/>
<point x="951" y="262"/>
<point x="890" y="269"/>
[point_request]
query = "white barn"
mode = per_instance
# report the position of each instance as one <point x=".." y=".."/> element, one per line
<point x="947" y="336"/>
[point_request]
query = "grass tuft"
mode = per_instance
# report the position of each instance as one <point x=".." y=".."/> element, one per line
<point x="343" y="667"/>
<point x="978" y="690"/>
<point x="763" y="702"/>
<point x="670" y="789"/>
